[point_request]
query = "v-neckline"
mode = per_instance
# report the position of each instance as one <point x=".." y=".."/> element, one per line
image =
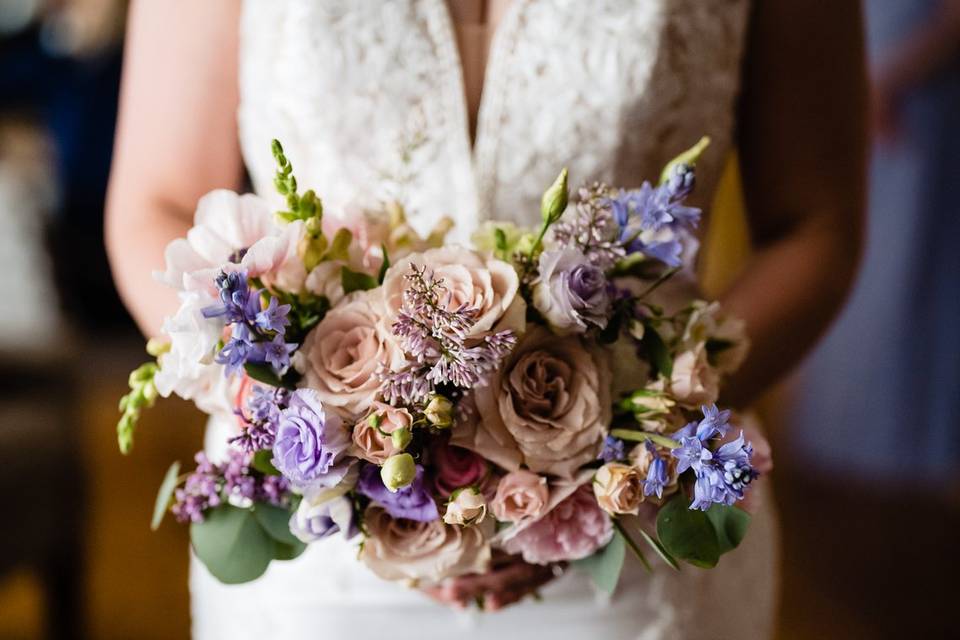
<point x="480" y="149"/>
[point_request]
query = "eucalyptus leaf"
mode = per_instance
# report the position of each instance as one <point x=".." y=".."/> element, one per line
<point x="164" y="495"/>
<point x="276" y="522"/>
<point x="232" y="544"/>
<point x="263" y="462"/>
<point x="356" y="281"/>
<point x="604" y="566"/>
<point x="730" y="525"/>
<point x="657" y="546"/>
<point x="687" y="533"/>
<point x="286" y="551"/>
<point x="264" y="373"/>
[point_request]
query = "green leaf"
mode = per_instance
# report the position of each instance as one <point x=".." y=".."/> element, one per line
<point x="262" y="372"/>
<point x="356" y="281"/>
<point x="604" y="566"/>
<point x="657" y="351"/>
<point x="164" y="494"/>
<point x="659" y="548"/>
<point x="286" y="551"/>
<point x="687" y="533"/>
<point x="730" y="525"/>
<point x="623" y="533"/>
<point x="383" y="265"/>
<point x="232" y="544"/>
<point x="263" y="462"/>
<point x="276" y="522"/>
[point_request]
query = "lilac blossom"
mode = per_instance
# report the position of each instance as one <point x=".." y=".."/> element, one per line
<point x="260" y="419"/>
<point x="592" y="228"/>
<point x="412" y="502"/>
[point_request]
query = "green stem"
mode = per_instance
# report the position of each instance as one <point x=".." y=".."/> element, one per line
<point x="653" y="287"/>
<point x="642" y="436"/>
<point x="633" y="545"/>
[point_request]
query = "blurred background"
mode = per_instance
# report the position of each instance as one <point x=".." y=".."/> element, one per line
<point x="866" y="433"/>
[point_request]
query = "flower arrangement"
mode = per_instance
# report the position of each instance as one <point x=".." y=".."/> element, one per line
<point x="529" y="393"/>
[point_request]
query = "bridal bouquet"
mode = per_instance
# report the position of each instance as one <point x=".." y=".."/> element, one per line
<point x="530" y="393"/>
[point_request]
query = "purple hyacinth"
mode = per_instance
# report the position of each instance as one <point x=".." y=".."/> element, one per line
<point x="412" y="502"/>
<point x="311" y="443"/>
<point x="658" y="474"/>
<point x="613" y="450"/>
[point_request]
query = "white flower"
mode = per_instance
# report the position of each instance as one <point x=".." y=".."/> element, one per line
<point x="188" y="368"/>
<point x="708" y="323"/>
<point x="466" y="506"/>
<point x="232" y="232"/>
<point x="693" y="381"/>
<point x="317" y="519"/>
<point x="325" y="280"/>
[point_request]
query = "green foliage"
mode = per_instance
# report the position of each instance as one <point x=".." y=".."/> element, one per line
<point x="263" y="462"/>
<point x="383" y="265"/>
<point x="299" y="207"/>
<point x="604" y="566"/>
<point x="164" y="495"/>
<point x="657" y="546"/>
<point x="690" y="157"/>
<point x="656" y="351"/>
<point x="356" y="280"/>
<point x="263" y="372"/>
<point x="699" y="537"/>
<point x="143" y="394"/>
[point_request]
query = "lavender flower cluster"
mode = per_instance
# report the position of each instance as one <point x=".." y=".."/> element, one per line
<point x="261" y="418"/>
<point x="257" y="334"/>
<point x="233" y="481"/>
<point x="436" y="338"/>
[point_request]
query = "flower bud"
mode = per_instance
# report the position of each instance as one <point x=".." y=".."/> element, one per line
<point x="311" y="250"/>
<point x="340" y="246"/>
<point x="398" y="471"/>
<point x="439" y="412"/>
<point x="401" y="438"/>
<point x="554" y="201"/>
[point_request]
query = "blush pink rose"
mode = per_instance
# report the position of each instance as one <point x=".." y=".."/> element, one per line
<point x="341" y="356"/>
<point x="374" y="444"/>
<point x="574" y="529"/>
<point x="456" y="467"/>
<point x="520" y="494"/>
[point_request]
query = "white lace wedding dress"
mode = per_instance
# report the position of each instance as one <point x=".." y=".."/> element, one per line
<point x="368" y="93"/>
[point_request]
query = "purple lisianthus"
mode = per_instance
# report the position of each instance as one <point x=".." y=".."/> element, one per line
<point x="312" y="522"/>
<point x="570" y="292"/>
<point x="310" y="443"/>
<point x="412" y="502"/>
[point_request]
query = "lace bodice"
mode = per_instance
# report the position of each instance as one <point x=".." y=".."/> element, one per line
<point x="367" y="97"/>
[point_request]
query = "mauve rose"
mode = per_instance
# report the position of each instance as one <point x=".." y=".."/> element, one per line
<point x="548" y="406"/>
<point x="486" y="284"/>
<point x="520" y="494"/>
<point x="574" y="529"/>
<point x="571" y="293"/>
<point x="374" y="444"/>
<point x="427" y="552"/>
<point x="693" y="381"/>
<point x="455" y="467"/>
<point x="341" y="355"/>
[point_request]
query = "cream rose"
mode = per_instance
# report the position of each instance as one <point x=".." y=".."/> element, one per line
<point x="373" y="443"/>
<point x="467" y="506"/>
<point x="548" y="406"/>
<point x="520" y="494"/>
<point x="618" y="488"/>
<point x="486" y="284"/>
<point x="693" y="381"/>
<point x="340" y="357"/>
<point x="426" y="552"/>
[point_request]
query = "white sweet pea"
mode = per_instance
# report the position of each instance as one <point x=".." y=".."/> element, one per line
<point x="467" y="506"/>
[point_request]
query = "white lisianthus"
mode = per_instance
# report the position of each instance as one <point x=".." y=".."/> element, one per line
<point x="467" y="506"/>
<point x="693" y="381"/>
<point x="707" y="323"/>
<point x="317" y="519"/>
<point x="570" y="293"/>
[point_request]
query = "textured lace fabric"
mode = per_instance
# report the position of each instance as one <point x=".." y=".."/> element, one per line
<point x="367" y="97"/>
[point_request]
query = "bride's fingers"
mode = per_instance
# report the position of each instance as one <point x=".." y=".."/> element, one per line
<point x="518" y="576"/>
<point x="444" y="595"/>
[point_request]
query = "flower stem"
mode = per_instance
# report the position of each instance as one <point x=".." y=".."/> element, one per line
<point x="633" y="545"/>
<point x="642" y="436"/>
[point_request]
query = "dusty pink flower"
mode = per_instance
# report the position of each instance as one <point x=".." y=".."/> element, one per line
<point x="456" y="467"/>
<point x="574" y="529"/>
<point x="520" y="494"/>
<point x="373" y="443"/>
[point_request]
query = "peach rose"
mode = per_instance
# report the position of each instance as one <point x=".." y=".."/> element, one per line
<point x="374" y="444"/>
<point x="340" y="357"/>
<point x="548" y="406"/>
<point x="618" y="488"/>
<point x="486" y="284"/>
<point x="426" y="552"/>
<point x="520" y="494"/>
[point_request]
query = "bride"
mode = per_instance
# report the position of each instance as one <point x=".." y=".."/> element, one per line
<point x="467" y="108"/>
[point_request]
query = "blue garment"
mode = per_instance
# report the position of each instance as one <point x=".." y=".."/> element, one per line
<point x="879" y="399"/>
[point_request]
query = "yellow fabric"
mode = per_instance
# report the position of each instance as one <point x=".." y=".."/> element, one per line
<point x="726" y="245"/>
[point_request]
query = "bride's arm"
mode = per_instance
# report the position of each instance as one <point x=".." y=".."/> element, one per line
<point x="176" y="139"/>
<point x="802" y="138"/>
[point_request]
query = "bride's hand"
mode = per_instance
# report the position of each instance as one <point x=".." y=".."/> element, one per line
<point x="509" y="580"/>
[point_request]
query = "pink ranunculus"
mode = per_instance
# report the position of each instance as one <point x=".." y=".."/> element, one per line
<point x="576" y="528"/>
<point x="455" y="468"/>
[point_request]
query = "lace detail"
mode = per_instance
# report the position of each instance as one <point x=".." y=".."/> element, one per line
<point x="368" y="99"/>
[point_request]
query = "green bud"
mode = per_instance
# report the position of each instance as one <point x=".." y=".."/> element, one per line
<point x="311" y="250"/>
<point x="340" y="246"/>
<point x="439" y="412"/>
<point x="689" y="157"/>
<point x="398" y="471"/>
<point x="157" y="346"/>
<point x="276" y="148"/>
<point x="554" y="201"/>
<point x="314" y="226"/>
<point x="401" y="438"/>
